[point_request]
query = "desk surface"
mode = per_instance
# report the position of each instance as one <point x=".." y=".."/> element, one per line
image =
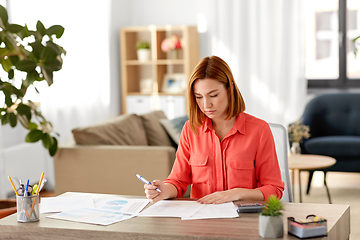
<point x="244" y="227"/>
<point x="310" y="162"/>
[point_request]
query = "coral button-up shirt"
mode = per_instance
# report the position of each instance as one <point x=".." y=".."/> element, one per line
<point x="245" y="158"/>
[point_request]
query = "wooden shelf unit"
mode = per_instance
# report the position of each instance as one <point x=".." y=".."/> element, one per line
<point x="160" y="63"/>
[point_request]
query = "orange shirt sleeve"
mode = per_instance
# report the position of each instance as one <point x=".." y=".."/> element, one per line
<point x="267" y="166"/>
<point x="180" y="175"/>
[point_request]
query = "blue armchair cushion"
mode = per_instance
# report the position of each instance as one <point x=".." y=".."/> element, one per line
<point x="334" y="146"/>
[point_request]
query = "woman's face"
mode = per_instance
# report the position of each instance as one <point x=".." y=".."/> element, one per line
<point x="211" y="97"/>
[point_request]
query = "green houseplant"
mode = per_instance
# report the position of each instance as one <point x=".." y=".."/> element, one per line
<point x="270" y="220"/>
<point x="142" y="45"/>
<point x="357" y="43"/>
<point x="28" y="56"/>
<point x="143" y="50"/>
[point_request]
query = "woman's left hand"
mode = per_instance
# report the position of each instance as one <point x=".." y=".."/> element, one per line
<point x="220" y="197"/>
<point x="232" y="195"/>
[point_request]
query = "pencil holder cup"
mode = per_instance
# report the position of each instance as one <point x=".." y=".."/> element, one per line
<point x="28" y="208"/>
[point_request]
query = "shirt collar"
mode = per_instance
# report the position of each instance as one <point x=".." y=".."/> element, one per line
<point x="239" y="124"/>
<point x="207" y="125"/>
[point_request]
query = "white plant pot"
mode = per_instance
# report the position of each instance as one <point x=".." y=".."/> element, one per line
<point x="271" y="227"/>
<point x="143" y="54"/>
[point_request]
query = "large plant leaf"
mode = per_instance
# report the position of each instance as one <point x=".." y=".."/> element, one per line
<point x="4" y="119"/>
<point x="40" y="28"/>
<point x="6" y="64"/>
<point x="46" y="140"/>
<point x="11" y="74"/>
<point x="48" y="74"/>
<point x="55" y="29"/>
<point x="31" y="77"/>
<point x="25" y="110"/>
<point x="38" y="49"/>
<point x="12" y="119"/>
<point x="34" y="135"/>
<point x="53" y="64"/>
<point x="24" y="33"/>
<point x="15" y="28"/>
<point x="3" y="17"/>
<point x="3" y="52"/>
<point x="32" y="126"/>
<point x="26" y="65"/>
<point x="59" y="50"/>
<point x="48" y="53"/>
<point x="14" y="59"/>
<point x="54" y="147"/>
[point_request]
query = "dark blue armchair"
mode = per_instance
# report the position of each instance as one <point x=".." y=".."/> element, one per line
<point x="334" y="121"/>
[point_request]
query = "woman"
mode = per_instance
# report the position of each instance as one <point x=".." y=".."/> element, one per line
<point x="225" y="153"/>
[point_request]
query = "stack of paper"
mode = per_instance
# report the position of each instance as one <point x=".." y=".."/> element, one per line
<point x="190" y="210"/>
<point x="103" y="211"/>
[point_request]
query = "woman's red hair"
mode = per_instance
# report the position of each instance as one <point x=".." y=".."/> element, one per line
<point x="215" y="68"/>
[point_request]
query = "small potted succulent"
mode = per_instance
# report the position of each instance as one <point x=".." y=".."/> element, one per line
<point x="270" y="220"/>
<point x="143" y="50"/>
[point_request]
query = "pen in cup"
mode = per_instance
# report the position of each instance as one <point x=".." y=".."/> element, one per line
<point x="146" y="181"/>
<point x="26" y="188"/>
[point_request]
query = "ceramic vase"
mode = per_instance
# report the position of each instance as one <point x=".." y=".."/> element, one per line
<point x="174" y="54"/>
<point x="295" y="148"/>
<point x="271" y="227"/>
<point x="143" y="55"/>
<point x="295" y="151"/>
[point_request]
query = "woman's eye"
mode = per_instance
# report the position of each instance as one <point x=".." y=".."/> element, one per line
<point x="198" y="97"/>
<point x="213" y="95"/>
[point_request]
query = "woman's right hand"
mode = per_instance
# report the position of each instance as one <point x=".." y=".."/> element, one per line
<point x="167" y="191"/>
<point x="152" y="194"/>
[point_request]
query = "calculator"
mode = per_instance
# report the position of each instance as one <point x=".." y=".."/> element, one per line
<point x="249" y="207"/>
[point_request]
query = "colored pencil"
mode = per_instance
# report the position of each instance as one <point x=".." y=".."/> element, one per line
<point x="37" y="192"/>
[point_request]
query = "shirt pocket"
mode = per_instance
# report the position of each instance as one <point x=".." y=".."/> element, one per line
<point x="241" y="173"/>
<point x="199" y="169"/>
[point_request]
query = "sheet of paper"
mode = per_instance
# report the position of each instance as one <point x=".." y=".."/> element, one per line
<point x="124" y="205"/>
<point x="225" y="210"/>
<point x="92" y="216"/>
<point x="172" y="208"/>
<point x="59" y="204"/>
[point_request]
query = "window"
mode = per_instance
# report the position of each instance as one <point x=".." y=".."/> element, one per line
<point x="330" y="27"/>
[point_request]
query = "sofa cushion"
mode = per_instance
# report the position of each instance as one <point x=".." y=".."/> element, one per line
<point x="335" y="146"/>
<point x="155" y="133"/>
<point x="126" y="129"/>
<point x="174" y="126"/>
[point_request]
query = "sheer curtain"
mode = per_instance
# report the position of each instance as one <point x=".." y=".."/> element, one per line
<point x="262" y="41"/>
<point x="81" y="91"/>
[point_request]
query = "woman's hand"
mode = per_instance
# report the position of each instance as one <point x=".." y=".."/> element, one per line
<point x="232" y="195"/>
<point x="167" y="191"/>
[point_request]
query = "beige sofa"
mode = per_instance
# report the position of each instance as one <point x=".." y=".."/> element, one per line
<point x="106" y="157"/>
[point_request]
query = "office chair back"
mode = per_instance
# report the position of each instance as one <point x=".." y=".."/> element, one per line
<point x="281" y="144"/>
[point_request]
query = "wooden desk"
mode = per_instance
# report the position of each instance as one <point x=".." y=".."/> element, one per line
<point x="244" y="227"/>
<point x="309" y="162"/>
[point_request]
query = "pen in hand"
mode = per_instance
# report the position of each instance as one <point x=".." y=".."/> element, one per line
<point x="146" y="181"/>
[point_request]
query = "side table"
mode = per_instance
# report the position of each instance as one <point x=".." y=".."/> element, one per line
<point x="309" y="162"/>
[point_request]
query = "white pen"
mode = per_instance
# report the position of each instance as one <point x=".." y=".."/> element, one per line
<point x="146" y="181"/>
